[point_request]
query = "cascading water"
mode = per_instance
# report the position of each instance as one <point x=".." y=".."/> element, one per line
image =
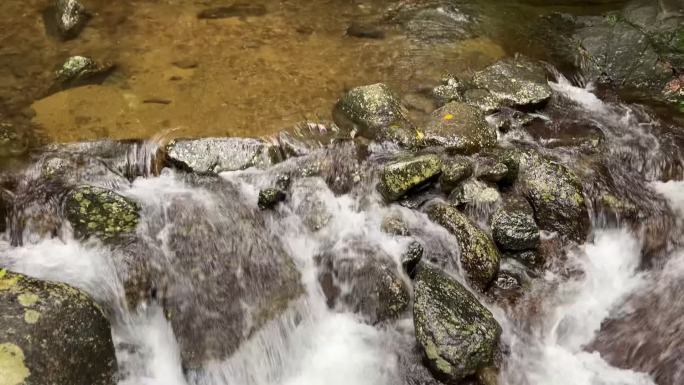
<point x="199" y="230"/>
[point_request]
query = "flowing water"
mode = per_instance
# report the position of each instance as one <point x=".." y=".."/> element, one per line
<point x="609" y="314"/>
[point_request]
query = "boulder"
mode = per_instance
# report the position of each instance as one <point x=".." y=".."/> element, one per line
<point x="95" y="211"/>
<point x="454" y="171"/>
<point x="489" y="170"/>
<point x="51" y="333"/>
<point x="401" y="177"/>
<point x="270" y="197"/>
<point x="459" y="128"/>
<point x="475" y="194"/>
<point x="216" y="155"/>
<point x="308" y="203"/>
<point x="482" y="99"/>
<point x="411" y="257"/>
<point x="513" y="226"/>
<point x="436" y="22"/>
<point x="363" y="279"/>
<point x="374" y="112"/>
<point x="555" y="194"/>
<point x="449" y="91"/>
<point x="394" y="225"/>
<point x="479" y="256"/>
<point x="457" y="333"/>
<point x="515" y="82"/>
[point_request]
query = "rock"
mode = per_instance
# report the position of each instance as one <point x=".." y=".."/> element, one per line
<point x="240" y="10"/>
<point x="95" y="211"/>
<point x="394" y="225"/>
<point x="555" y="194"/>
<point x="51" y="333"/>
<point x="530" y="258"/>
<point x="459" y="128"/>
<point x="475" y="194"/>
<point x="515" y="82"/>
<point x="454" y="171"/>
<point x="365" y="31"/>
<point x="437" y="23"/>
<point x="479" y="256"/>
<point x="364" y="280"/>
<point x="374" y="112"/>
<point x="489" y="170"/>
<point x="449" y="91"/>
<point x="81" y="70"/>
<point x="398" y="178"/>
<point x="309" y="204"/>
<point x="13" y="142"/>
<point x="270" y="197"/>
<point x="458" y="335"/>
<point x="513" y="226"/>
<point x="216" y="155"/>
<point x="411" y="257"/>
<point x="482" y="99"/>
<point x="70" y="17"/>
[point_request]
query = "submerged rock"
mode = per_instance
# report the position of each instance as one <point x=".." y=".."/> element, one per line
<point x="458" y="335"/>
<point x="81" y="70"/>
<point x="240" y="10"/>
<point x="515" y="82"/>
<point x="270" y="197"/>
<point x="513" y="226"/>
<point x="454" y="171"/>
<point x="216" y="155"/>
<point x="479" y="256"/>
<point x="398" y="178"/>
<point x="70" y="17"/>
<point x="375" y="113"/>
<point x="51" y="333"/>
<point x="459" y="128"/>
<point x="555" y="194"/>
<point x="365" y="31"/>
<point x="364" y="280"/>
<point x="394" y="225"/>
<point x="95" y="211"/>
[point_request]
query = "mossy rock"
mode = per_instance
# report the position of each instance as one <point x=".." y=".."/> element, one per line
<point x="556" y="196"/>
<point x="216" y="155"/>
<point x="513" y="226"/>
<point x="458" y="335"/>
<point x="95" y="211"/>
<point x="399" y="178"/>
<point x="479" y="256"/>
<point x="515" y="81"/>
<point x="51" y="333"/>
<point x="454" y="171"/>
<point x="459" y="128"/>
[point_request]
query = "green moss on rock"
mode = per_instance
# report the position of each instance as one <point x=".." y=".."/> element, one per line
<point x="95" y="211"/>
<point x="458" y="335"/>
<point x="398" y="178"/>
<point x="459" y="128"/>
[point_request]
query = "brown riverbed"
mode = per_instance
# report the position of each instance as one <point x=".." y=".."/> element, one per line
<point x="248" y="76"/>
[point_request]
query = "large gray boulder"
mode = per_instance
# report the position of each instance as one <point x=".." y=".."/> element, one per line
<point x="458" y="335"/>
<point x="555" y="194"/>
<point x="479" y="256"/>
<point x="51" y="333"/>
<point x="515" y="82"/>
<point x="215" y="155"/>
<point x="459" y="128"/>
<point x="398" y="178"/>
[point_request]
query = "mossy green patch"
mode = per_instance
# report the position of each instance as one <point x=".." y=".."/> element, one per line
<point x="7" y="282"/>
<point x="27" y="299"/>
<point x="12" y="366"/>
<point x="31" y="316"/>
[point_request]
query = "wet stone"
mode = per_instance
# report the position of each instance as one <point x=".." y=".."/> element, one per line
<point x="515" y="82"/>
<point x="492" y="171"/>
<point x="51" y="333"/>
<point x="216" y="155"/>
<point x="449" y="91"/>
<point x="459" y="128"/>
<point x="459" y="336"/>
<point x="394" y="225"/>
<point x="69" y="18"/>
<point x="399" y="178"/>
<point x="513" y="226"/>
<point x="81" y="70"/>
<point x="411" y="257"/>
<point x="270" y="197"/>
<point x="454" y="171"/>
<point x="474" y="193"/>
<point x="482" y="99"/>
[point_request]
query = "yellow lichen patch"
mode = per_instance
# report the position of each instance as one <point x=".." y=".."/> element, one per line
<point x="448" y="116"/>
<point x="12" y="366"/>
<point x="5" y="282"/>
<point x="31" y="316"/>
<point x="27" y="299"/>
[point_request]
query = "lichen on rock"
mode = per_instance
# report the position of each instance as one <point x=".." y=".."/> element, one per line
<point x="95" y="211"/>
<point x="398" y="178"/>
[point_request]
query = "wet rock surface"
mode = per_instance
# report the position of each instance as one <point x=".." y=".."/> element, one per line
<point x="215" y="155"/>
<point x="67" y="18"/>
<point x="479" y="256"/>
<point x="458" y="335"/>
<point x="94" y="211"/>
<point x="454" y="171"/>
<point x="459" y="128"/>
<point x="80" y="70"/>
<point x="513" y="226"/>
<point x="400" y="177"/>
<point x="51" y="333"/>
<point x="270" y="197"/>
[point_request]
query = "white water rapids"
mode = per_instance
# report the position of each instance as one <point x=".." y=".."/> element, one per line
<point x="313" y="345"/>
